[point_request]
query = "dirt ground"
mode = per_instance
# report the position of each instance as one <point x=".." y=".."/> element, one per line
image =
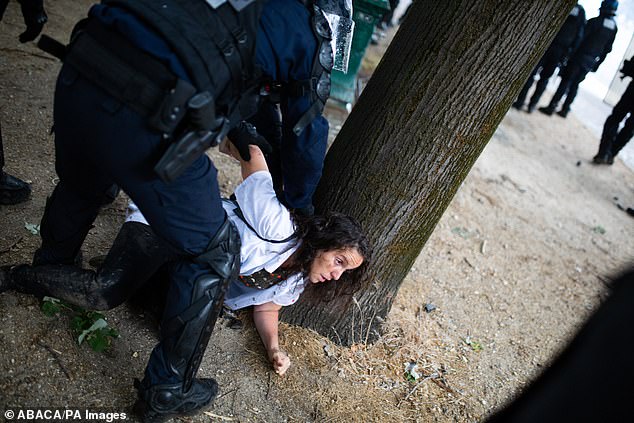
<point x="519" y="260"/>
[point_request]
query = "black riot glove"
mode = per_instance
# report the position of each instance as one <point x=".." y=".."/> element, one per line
<point x="245" y="134"/>
<point x="34" y="17"/>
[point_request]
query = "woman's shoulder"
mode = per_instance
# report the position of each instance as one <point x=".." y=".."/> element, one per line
<point x="261" y="208"/>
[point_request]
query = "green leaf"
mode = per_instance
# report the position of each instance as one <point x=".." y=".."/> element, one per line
<point x="77" y="323"/>
<point x="113" y="333"/>
<point x="50" y="308"/>
<point x="476" y="346"/>
<point x="89" y="326"/>
<point x="99" y="324"/>
<point x="409" y="377"/>
<point x="98" y="341"/>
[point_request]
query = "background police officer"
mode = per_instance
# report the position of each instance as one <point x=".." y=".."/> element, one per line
<point x="614" y="139"/>
<point x="14" y="190"/>
<point x="596" y="44"/>
<point x="566" y="42"/>
<point x="295" y="54"/>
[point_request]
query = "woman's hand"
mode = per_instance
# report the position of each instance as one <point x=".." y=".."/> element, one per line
<point x="229" y="149"/>
<point x="280" y="361"/>
<point x="257" y="162"/>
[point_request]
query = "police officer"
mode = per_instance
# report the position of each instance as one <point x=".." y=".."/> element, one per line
<point x="295" y="54"/>
<point x="596" y="44"/>
<point x="613" y="139"/>
<point x="14" y="190"/>
<point x="145" y="88"/>
<point x="566" y="41"/>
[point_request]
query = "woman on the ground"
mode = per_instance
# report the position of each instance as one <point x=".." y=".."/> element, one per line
<point x="281" y="253"/>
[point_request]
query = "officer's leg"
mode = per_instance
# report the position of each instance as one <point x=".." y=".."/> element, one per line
<point x="303" y="159"/>
<point x="188" y="215"/>
<point x="572" y="92"/>
<point x="134" y="256"/>
<point x="68" y="216"/>
<point x="34" y="17"/>
<point x="521" y="97"/>
<point x="185" y="335"/>
<point x="75" y="201"/>
<point x="544" y="76"/>
<point x="562" y="89"/>
<point x="624" y="135"/>
<point x="610" y="128"/>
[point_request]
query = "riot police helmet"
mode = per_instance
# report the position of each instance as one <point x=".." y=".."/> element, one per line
<point x="608" y="7"/>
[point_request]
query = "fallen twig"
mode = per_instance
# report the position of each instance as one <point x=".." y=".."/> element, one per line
<point x="431" y="376"/>
<point x="268" y="388"/>
<point x="228" y="392"/>
<point x="55" y="355"/>
<point x="210" y="414"/>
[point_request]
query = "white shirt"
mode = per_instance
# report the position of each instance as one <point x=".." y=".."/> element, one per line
<point x="271" y="220"/>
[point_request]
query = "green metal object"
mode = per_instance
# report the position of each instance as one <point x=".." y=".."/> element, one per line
<point x="366" y="14"/>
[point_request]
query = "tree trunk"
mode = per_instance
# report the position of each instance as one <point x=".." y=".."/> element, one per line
<point x="440" y="91"/>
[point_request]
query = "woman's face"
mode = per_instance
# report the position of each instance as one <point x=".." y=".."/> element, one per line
<point x="330" y="265"/>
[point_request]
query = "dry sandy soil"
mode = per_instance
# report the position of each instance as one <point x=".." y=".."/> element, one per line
<point x="519" y="260"/>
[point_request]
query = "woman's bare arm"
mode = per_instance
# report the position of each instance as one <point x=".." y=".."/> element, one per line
<point x="265" y="317"/>
<point x="257" y="162"/>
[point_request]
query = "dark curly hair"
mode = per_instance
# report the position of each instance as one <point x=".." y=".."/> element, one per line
<point x="328" y="232"/>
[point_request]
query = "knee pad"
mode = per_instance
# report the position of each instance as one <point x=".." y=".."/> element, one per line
<point x="185" y="337"/>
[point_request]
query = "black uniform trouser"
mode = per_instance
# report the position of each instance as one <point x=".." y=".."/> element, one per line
<point x="569" y="86"/>
<point x="100" y="141"/>
<point x="613" y="140"/>
<point x="546" y="68"/>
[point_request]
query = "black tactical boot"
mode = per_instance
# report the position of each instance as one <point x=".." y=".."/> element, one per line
<point x="34" y="18"/>
<point x="13" y="190"/>
<point x="160" y="402"/>
<point x="547" y="110"/>
<point x="604" y="158"/>
<point x="563" y="113"/>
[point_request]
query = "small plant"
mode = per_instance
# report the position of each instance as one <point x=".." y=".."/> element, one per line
<point x="411" y="372"/>
<point x="599" y="229"/>
<point x="89" y="326"/>
<point x="475" y="345"/>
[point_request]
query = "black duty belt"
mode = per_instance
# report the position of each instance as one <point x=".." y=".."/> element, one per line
<point x="124" y="71"/>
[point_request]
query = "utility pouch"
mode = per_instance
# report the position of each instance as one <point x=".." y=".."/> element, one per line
<point x="172" y="108"/>
<point x="207" y="130"/>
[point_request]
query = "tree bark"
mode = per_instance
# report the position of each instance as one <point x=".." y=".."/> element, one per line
<point x="443" y="86"/>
